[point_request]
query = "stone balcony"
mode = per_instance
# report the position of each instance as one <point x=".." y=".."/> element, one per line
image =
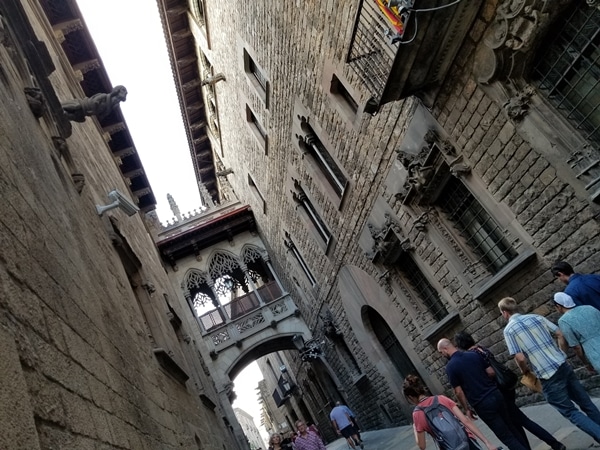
<point x="245" y="316"/>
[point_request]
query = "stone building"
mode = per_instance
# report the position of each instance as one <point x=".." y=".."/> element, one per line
<point x="250" y="430"/>
<point x="95" y="353"/>
<point x="408" y="164"/>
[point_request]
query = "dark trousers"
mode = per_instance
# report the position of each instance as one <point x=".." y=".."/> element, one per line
<point x="521" y="420"/>
<point x="493" y="411"/>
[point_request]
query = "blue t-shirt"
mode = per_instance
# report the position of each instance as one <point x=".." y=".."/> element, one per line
<point x="585" y="289"/>
<point x="467" y="370"/>
<point x="341" y="417"/>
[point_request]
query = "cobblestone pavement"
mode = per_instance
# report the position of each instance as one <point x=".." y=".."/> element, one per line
<point x="402" y="437"/>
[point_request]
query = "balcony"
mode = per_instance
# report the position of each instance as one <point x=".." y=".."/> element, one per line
<point x="245" y="316"/>
<point x="395" y="64"/>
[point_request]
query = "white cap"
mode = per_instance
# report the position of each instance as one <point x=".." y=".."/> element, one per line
<point x="564" y="300"/>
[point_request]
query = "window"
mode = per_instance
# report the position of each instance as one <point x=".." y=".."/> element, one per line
<point x="198" y="12"/>
<point x="298" y="257"/>
<point x="481" y="232"/>
<point x="340" y="92"/>
<point x="256" y="76"/>
<point x="256" y="127"/>
<point x="257" y="194"/>
<point x="453" y="207"/>
<point x="568" y="71"/>
<point x="423" y="288"/>
<point x="317" y="223"/>
<point x="310" y="144"/>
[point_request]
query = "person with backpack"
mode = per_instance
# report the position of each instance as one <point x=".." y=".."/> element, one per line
<point x="442" y="419"/>
<point x="507" y="386"/>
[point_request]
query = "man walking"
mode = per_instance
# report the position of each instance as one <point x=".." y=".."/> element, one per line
<point x="471" y="378"/>
<point x="342" y="424"/>
<point x="306" y="439"/>
<point x="580" y="326"/>
<point x="583" y="289"/>
<point x="529" y="338"/>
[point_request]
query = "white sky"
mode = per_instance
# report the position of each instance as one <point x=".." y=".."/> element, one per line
<point x="129" y="38"/>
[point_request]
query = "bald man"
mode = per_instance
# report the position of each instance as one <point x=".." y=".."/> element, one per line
<point x="473" y="381"/>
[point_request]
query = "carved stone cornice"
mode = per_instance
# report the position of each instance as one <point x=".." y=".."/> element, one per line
<point x="423" y="174"/>
<point x="389" y="242"/>
<point x="508" y="42"/>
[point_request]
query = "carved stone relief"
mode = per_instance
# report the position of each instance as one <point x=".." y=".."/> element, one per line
<point x="388" y="241"/>
<point x="516" y="107"/>
<point x="514" y="32"/>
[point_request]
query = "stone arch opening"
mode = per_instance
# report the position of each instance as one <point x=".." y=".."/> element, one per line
<point x="366" y="305"/>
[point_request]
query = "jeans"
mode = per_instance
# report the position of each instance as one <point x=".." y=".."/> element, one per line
<point x="492" y="410"/>
<point x="561" y="390"/>
<point x="520" y="418"/>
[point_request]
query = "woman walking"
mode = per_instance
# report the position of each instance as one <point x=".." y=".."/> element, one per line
<point x="416" y="393"/>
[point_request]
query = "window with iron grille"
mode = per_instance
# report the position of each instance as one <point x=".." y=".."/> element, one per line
<point x="567" y="71"/>
<point x="481" y="232"/>
<point x="423" y="288"/>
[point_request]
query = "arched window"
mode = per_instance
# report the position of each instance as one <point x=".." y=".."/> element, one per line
<point x="203" y="298"/>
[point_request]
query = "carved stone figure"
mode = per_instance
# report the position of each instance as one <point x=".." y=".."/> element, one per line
<point x="35" y="100"/>
<point x="99" y="105"/>
<point x="78" y="181"/>
<point x="516" y="107"/>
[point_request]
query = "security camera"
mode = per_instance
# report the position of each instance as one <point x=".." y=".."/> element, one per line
<point x="118" y="200"/>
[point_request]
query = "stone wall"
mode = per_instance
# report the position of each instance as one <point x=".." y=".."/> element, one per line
<point x="78" y="334"/>
<point x="522" y="182"/>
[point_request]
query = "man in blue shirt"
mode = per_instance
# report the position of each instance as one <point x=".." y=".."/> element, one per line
<point x="580" y="326"/>
<point x="529" y="338"/>
<point x="472" y="380"/>
<point x="340" y="419"/>
<point x="583" y="289"/>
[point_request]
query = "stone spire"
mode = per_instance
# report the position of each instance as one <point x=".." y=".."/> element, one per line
<point x="174" y="207"/>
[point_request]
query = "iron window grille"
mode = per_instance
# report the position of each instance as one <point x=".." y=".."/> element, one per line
<point x="481" y="232"/>
<point x="371" y="55"/>
<point x="426" y="292"/>
<point x="568" y="71"/>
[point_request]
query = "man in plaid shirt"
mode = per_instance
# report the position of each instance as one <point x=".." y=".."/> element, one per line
<point x="306" y="439"/>
<point x="529" y="338"/>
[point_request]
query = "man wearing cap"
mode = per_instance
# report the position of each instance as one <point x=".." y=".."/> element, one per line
<point x="580" y="326"/>
<point x="584" y="289"/>
<point x="529" y="338"/>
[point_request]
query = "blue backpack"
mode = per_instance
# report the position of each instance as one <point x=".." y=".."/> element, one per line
<point x="446" y="429"/>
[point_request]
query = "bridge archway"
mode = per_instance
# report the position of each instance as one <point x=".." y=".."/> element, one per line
<point x="270" y="344"/>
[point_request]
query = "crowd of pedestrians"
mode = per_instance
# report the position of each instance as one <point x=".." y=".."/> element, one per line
<point x="485" y="388"/>
<point x="539" y="349"/>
